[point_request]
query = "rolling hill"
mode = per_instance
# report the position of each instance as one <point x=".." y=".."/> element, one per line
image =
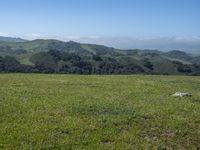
<point x="11" y="39"/>
<point x="54" y="56"/>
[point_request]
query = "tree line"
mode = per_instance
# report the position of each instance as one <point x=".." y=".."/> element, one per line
<point x="55" y="61"/>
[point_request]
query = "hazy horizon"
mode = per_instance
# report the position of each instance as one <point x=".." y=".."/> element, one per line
<point x="126" y="24"/>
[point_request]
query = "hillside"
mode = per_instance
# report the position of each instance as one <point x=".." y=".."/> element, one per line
<point x="11" y="39"/>
<point x="53" y="56"/>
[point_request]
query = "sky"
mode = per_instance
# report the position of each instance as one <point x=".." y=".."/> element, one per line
<point x="101" y="20"/>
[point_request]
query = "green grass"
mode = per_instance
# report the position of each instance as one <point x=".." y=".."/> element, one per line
<point x="26" y="61"/>
<point x="3" y="54"/>
<point x="88" y="48"/>
<point x="98" y="112"/>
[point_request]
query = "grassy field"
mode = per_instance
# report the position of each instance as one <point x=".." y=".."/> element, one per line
<point x="98" y="112"/>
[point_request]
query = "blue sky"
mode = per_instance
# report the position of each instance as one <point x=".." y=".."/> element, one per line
<point x="100" y="18"/>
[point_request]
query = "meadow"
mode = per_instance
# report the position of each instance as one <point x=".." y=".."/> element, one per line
<point x="39" y="111"/>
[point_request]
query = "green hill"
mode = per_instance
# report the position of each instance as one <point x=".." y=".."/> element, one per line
<point x="54" y="56"/>
<point x="10" y="39"/>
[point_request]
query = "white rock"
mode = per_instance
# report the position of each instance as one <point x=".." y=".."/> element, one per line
<point x="180" y="94"/>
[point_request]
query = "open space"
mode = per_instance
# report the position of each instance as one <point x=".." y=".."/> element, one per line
<point x="39" y="111"/>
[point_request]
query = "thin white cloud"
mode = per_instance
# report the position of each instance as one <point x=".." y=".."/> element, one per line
<point x="4" y="34"/>
<point x="188" y="39"/>
<point x="33" y="36"/>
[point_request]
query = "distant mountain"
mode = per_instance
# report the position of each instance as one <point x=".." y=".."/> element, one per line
<point x="187" y="44"/>
<point x="11" y="39"/>
<point x="54" y="56"/>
